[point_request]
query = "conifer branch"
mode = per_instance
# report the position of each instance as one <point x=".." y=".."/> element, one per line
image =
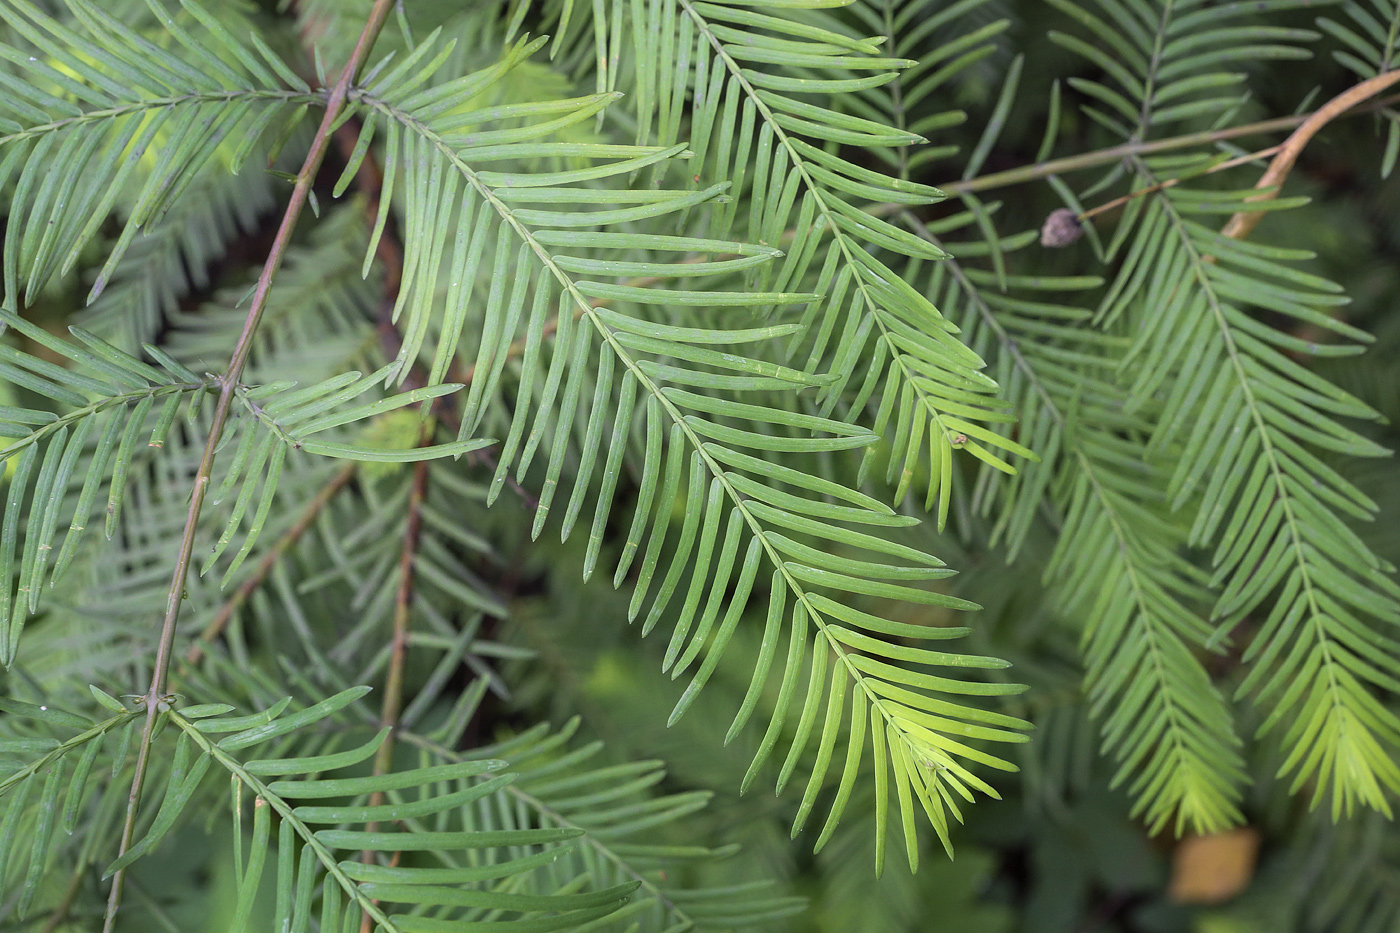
<point x="1169" y="398"/>
<point x="228" y="383"/>
<point x="369" y="181"/>
<point x="550" y="815"/>
<point x="1029" y="173"/>
<point x="1284" y="154"/>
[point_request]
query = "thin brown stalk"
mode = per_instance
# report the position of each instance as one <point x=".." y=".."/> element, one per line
<point x="1242" y="223"/>
<point x="228" y="383"/>
<point x="392" y="706"/>
<point x="403" y="609"/>
<point x="59" y="915"/>
<point x="1087" y="160"/>
<point x="1173" y="182"/>
<point x="291" y="536"/>
<point x="369" y="181"/>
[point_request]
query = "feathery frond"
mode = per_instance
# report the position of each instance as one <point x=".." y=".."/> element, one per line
<point x="1242" y="418"/>
<point x="98" y="106"/>
<point x="684" y="393"/>
<point x="1115" y="568"/>
<point x="1115" y="565"/>
<point x="609" y="807"/>
<point x="749" y="71"/>
<point x="111" y="400"/>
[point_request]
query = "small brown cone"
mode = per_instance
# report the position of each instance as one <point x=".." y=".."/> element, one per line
<point x="1061" y="228"/>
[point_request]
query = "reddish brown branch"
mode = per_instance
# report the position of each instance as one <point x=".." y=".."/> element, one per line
<point x="403" y="604"/>
<point x="369" y="181"/>
<point x="291" y="536"/>
<point x="392" y="706"/>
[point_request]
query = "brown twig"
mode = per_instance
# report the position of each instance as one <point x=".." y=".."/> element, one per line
<point x="228" y="383"/>
<point x="291" y="536"/>
<point x="403" y="608"/>
<point x="1173" y="182"/>
<point x="369" y="181"/>
<point x="392" y="705"/>
<point x="1087" y="160"/>
<point x="59" y="914"/>
<point x="1243" y="222"/>
<point x="390" y="254"/>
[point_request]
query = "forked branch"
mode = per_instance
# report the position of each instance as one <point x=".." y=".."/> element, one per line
<point x="1063" y="225"/>
<point x="1242" y="223"/>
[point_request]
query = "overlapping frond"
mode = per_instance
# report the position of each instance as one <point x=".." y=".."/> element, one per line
<point x="451" y="830"/>
<point x="108" y="403"/>
<point x="1213" y="320"/>
<point x="942" y="42"/>
<point x="1161" y="68"/>
<point x="357" y="562"/>
<point x="89" y="110"/>
<point x="313" y="815"/>
<point x="930" y="396"/>
<point x="47" y="783"/>
<point x="97" y="625"/>
<point x="1249" y="418"/>
<point x="278" y="419"/>
<point x="1353" y="872"/>
<point x="1117" y="567"/>
<point x="597" y="359"/>
<point x="615" y="815"/>
<point x="324" y="821"/>
<point x="739" y="79"/>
